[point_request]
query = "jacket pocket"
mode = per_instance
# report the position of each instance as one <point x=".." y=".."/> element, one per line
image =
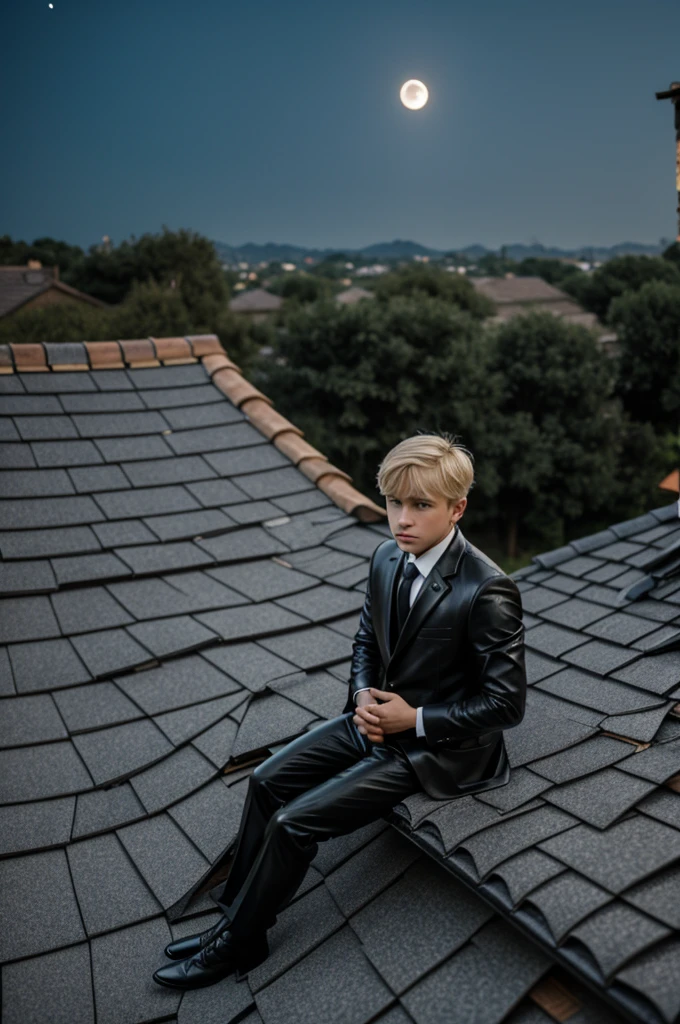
<point x="436" y="632"/>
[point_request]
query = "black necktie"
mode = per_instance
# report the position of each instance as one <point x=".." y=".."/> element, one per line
<point x="409" y="573"/>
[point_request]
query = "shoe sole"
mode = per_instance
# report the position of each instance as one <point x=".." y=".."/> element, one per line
<point x="195" y="984"/>
<point x="239" y="970"/>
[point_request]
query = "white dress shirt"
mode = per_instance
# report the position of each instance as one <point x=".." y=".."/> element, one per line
<point x="425" y="562"/>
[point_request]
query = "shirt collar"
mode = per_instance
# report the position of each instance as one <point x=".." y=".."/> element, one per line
<point x="427" y="560"/>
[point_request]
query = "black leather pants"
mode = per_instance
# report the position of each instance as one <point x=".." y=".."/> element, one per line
<point x="325" y="783"/>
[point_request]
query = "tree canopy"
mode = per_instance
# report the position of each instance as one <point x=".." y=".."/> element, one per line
<point x="553" y="271"/>
<point x="426" y="280"/>
<point x="560" y="428"/>
<point x="616" y="277"/>
<point x="647" y="324"/>
<point x="359" y="378"/>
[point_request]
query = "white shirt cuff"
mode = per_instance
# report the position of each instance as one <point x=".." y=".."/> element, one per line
<point x="359" y="691"/>
<point x="420" y="731"/>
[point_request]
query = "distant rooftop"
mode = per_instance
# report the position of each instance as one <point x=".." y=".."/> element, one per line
<point x="36" y="285"/>
<point x="516" y="295"/>
<point x="352" y="295"/>
<point x="257" y="300"/>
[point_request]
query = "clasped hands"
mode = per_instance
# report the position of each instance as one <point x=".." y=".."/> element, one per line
<point x="377" y="720"/>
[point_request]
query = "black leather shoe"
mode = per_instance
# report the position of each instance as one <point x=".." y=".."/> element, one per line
<point x="223" y="955"/>
<point x="182" y="948"/>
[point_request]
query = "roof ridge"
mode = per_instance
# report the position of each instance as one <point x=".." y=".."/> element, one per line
<point x="79" y="356"/>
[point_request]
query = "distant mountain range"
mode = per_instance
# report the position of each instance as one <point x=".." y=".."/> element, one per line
<point x="406" y="250"/>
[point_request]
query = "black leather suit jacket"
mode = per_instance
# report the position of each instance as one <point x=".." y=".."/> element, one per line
<point x="460" y="655"/>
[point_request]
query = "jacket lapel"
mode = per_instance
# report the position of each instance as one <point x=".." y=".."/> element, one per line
<point x="434" y="588"/>
<point x="383" y="609"/>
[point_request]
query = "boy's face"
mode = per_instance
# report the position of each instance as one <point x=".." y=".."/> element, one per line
<point x="423" y="519"/>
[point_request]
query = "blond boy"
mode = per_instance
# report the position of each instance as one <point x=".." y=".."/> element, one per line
<point x="437" y="674"/>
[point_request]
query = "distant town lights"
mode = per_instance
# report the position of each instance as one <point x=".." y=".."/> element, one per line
<point x="413" y="94"/>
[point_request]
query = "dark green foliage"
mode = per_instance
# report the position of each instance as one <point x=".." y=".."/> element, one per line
<point x="358" y="379"/>
<point x="647" y="323"/>
<point x="49" y="251"/>
<point x="424" y="279"/>
<point x="553" y="271"/>
<point x="493" y="264"/>
<point x="563" y="435"/>
<point x="184" y="257"/>
<point x="622" y="274"/>
<point x="672" y="253"/>
<point x="302" y="287"/>
<point x="64" y="321"/>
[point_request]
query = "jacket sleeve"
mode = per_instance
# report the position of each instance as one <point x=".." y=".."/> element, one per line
<point x="366" y="664"/>
<point x="496" y="645"/>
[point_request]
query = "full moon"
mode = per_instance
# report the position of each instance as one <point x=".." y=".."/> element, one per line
<point x="413" y="94"/>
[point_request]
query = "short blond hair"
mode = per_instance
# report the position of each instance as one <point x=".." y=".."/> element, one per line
<point x="427" y="465"/>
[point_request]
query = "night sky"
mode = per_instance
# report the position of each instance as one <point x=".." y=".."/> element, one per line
<point x="281" y="121"/>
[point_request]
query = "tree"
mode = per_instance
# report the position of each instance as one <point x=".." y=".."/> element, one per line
<point x="495" y="264"/>
<point x="562" y="432"/>
<point x="185" y="257"/>
<point x="616" y="277"/>
<point x="357" y="379"/>
<point x="647" y="324"/>
<point x="553" y="271"/>
<point x="64" y="321"/>
<point x="422" y="279"/>
<point x="50" y="252"/>
<point x="302" y="287"/>
<point x="672" y="253"/>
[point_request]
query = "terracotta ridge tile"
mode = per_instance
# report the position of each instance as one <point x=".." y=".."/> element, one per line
<point x="350" y="500"/>
<point x="315" y="469"/>
<point x="236" y="387"/>
<point x="204" y="344"/>
<point x="267" y="420"/>
<point x="29" y="357"/>
<point x="218" y="361"/>
<point x="172" y="351"/>
<point x="296" y="448"/>
<point x="139" y="352"/>
<point x="104" y="355"/>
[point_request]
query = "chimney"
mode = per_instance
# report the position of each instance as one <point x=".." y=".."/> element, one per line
<point x="673" y="94"/>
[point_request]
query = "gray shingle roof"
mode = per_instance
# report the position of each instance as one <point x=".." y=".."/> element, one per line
<point x="156" y="650"/>
<point x="255" y="300"/>
<point x="18" y="285"/>
<point x="516" y="295"/>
